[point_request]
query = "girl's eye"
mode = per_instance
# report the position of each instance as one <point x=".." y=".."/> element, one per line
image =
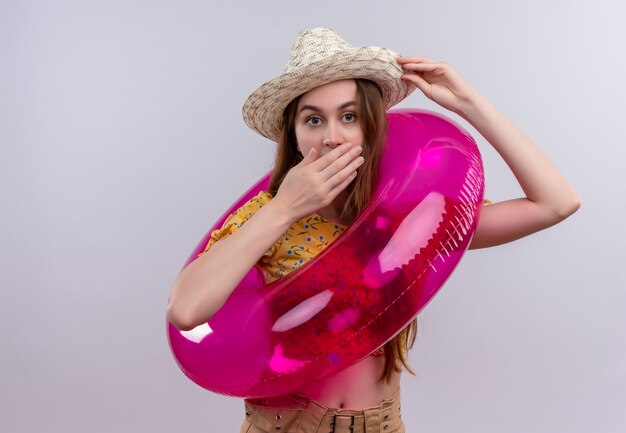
<point x="314" y="121"/>
<point x="349" y="117"/>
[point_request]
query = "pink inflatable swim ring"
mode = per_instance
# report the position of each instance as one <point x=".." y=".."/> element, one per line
<point x="364" y="288"/>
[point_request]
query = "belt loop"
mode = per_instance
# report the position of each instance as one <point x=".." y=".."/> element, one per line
<point x="312" y="417"/>
<point x="372" y="420"/>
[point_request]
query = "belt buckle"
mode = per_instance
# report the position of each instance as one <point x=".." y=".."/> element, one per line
<point x="334" y="423"/>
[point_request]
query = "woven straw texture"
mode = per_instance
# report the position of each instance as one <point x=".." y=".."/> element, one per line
<point x="320" y="56"/>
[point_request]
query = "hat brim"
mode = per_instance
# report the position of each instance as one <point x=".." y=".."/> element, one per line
<point x="263" y="110"/>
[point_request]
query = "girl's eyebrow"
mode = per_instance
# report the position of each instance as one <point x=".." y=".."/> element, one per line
<point x="314" y="108"/>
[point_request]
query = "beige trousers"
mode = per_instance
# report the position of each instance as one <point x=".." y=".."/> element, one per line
<point x="295" y="413"/>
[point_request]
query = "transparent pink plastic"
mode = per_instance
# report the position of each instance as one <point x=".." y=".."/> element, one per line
<point x="365" y="287"/>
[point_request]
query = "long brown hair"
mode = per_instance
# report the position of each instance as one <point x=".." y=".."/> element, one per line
<point x="373" y="122"/>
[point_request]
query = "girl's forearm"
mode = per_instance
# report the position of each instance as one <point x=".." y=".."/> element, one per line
<point x="203" y="287"/>
<point x="539" y="178"/>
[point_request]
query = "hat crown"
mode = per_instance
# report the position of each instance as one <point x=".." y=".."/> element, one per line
<point x="320" y="56"/>
<point x="314" y="45"/>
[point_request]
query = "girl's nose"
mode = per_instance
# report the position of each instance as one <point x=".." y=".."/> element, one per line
<point x="331" y="142"/>
<point x="332" y="137"/>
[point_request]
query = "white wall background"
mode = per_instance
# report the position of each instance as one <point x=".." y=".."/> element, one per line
<point x="122" y="142"/>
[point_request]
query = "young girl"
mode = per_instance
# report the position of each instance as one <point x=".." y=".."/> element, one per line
<point x="327" y="114"/>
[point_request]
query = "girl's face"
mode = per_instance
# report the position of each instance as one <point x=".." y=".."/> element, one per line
<point x="326" y="117"/>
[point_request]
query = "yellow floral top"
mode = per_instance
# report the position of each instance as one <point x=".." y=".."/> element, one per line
<point x="304" y="239"/>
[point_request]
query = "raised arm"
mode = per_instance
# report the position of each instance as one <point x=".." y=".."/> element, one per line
<point x="549" y="197"/>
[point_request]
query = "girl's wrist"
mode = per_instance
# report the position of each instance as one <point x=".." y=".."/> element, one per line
<point x="473" y="107"/>
<point x="280" y="213"/>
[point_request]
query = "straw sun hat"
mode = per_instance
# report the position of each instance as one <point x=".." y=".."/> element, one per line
<point x="320" y="56"/>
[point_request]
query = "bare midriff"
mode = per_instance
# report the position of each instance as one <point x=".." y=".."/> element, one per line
<point x="357" y="387"/>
